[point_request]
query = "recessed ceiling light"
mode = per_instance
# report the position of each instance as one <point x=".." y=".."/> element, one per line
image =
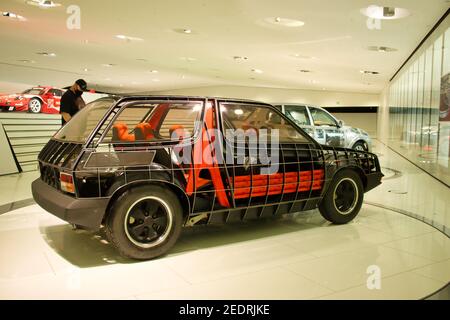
<point x="257" y="71"/>
<point x="368" y="72"/>
<point x="184" y="31"/>
<point x="153" y="71"/>
<point x="46" y="54"/>
<point x="240" y="58"/>
<point x="26" y="61"/>
<point x="302" y="56"/>
<point x="285" y="22"/>
<point x="189" y="59"/>
<point x="388" y="13"/>
<point x="381" y="49"/>
<point x="43" y="3"/>
<point x="13" y="16"/>
<point x="86" y="70"/>
<point x="108" y="65"/>
<point x="128" y="38"/>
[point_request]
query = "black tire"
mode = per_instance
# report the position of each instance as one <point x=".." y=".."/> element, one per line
<point x="34" y="105"/>
<point x="360" y="146"/>
<point x="130" y="225"/>
<point x="348" y="189"/>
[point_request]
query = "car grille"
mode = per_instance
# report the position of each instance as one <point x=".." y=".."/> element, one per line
<point x="56" y="155"/>
<point x="50" y="175"/>
<point x="59" y="153"/>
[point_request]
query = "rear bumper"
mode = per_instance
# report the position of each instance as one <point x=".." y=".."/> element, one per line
<point x="83" y="212"/>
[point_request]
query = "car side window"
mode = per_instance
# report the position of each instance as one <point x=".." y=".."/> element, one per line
<point x="55" y="92"/>
<point x="299" y="114"/>
<point x="261" y="119"/>
<point x="321" y="118"/>
<point x="180" y="116"/>
<point x="156" y="121"/>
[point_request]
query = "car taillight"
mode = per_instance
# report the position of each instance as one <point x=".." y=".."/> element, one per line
<point x="66" y="182"/>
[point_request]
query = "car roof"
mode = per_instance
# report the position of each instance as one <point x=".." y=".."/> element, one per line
<point x="187" y="97"/>
<point x="46" y="87"/>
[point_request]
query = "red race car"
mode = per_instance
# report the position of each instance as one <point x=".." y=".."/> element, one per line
<point x="34" y="100"/>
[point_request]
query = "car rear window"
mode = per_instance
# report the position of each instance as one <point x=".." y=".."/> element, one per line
<point x="83" y="123"/>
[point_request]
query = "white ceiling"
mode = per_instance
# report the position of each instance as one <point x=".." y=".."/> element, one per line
<point x="335" y="34"/>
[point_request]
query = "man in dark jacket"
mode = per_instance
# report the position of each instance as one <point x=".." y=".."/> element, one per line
<point x="69" y="105"/>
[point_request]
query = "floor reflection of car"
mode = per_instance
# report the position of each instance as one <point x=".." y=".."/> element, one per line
<point x="427" y="135"/>
<point x="325" y="128"/>
<point x="35" y="100"/>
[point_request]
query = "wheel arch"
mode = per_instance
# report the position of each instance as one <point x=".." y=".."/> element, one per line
<point x="181" y="195"/>
<point x="359" y="140"/>
<point x="356" y="169"/>
<point x="36" y="97"/>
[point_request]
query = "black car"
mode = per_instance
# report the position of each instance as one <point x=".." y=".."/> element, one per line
<point x="144" y="167"/>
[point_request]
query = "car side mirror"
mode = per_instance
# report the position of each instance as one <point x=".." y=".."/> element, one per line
<point x="341" y="123"/>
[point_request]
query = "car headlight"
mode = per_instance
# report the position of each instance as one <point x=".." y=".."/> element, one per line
<point x="354" y="130"/>
<point x="364" y="133"/>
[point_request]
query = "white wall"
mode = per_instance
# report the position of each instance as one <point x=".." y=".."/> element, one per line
<point x="365" y="121"/>
<point x="274" y="95"/>
<point x="12" y="87"/>
<point x="383" y="116"/>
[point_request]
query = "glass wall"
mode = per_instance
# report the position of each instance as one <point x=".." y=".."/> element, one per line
<point x="419" y="110"/>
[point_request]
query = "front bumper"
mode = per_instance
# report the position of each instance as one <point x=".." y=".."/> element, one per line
<point x="7" y="107"/>
<point x="87" y="212"/>
<point x="373" y="180"/>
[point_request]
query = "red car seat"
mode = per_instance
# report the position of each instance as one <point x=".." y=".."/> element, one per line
<point x="120" y="133"/>
<point x="144" y="131"/>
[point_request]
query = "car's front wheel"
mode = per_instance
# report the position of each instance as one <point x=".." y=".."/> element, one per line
<point x="144" y="222"/>
<point x="344" y="197"/>
<point x="34" y="105"/>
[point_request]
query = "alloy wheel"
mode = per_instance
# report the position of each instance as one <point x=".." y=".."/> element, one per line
<point x="148" y="222"/>
<point x="345" y="196"/>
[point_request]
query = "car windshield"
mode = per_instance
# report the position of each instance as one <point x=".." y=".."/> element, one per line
<point x="37" y="91"/>
<point x="81" y="125"/>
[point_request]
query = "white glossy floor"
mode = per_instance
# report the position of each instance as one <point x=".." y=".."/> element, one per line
<point x="297" y="257"/>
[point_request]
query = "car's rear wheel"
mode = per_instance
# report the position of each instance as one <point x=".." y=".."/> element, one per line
<point x="144" y="222"/>
<point x="360" y="146"/>
<point x="35" y="105"/>
<point x="344" y="197"/>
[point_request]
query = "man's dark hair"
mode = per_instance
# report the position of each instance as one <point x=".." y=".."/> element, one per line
<point x="82" y="84"/>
